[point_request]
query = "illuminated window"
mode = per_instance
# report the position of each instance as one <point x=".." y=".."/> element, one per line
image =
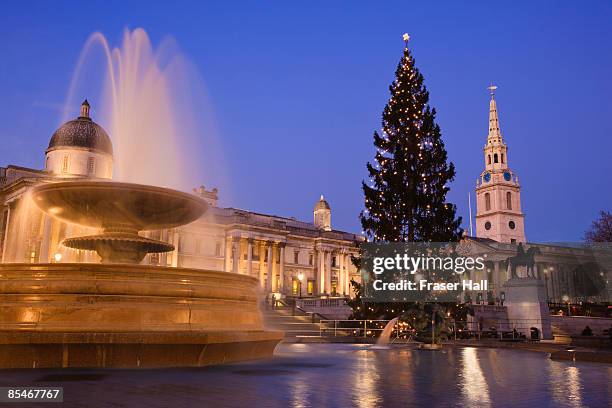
<point x="295" y="285"/>
<point x="310" y="287"/>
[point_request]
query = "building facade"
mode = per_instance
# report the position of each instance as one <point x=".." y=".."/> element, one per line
<point x="288" y="256"/>
<point x="570" y="272"/>
<point x="498" y="193"/>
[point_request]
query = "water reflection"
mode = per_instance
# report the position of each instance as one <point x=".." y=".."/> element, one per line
<point x="365" y="379"/>
<point x="472" y="381"/>
<point x="564" y="384"/>
<point x="343" y="375"/>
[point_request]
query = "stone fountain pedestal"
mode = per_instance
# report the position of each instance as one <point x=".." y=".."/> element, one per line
<point x="527" y="306"/>
<point x="97" y="315"/>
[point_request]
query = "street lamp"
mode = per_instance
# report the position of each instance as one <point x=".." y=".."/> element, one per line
<point x="300" y="278"/>
<point x="566" y="299"/>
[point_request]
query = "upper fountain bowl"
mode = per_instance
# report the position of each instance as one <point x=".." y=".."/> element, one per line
<point x="118" y="206"/>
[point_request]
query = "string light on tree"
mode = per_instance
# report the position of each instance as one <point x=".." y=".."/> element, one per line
<point x="405" y="197"/>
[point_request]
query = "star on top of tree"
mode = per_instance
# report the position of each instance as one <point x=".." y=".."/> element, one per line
<point x="406" y="38"/>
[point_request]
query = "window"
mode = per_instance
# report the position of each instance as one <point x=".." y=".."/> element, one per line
<point x="495" y="158"/>
<point x="502" y="157"/>
<point x="489" y="159"/>
<point x="334" y="261"/>
<point x="487" y="201"/>
<point x="310" y="287"/>
<point x="218" y="249"/>
<point x="91" y="165"/>
<point x="511" y="225"/>
<point x="513" y="240"/>
<point x="255" y="252"/>
<point x="310" y="259"/>
<point x="296" y="257"/>
<point x="295" y="284"/>
<point x="487" y="225"/>
<point x="509" y="200"/>
<point x="65" y="164"/>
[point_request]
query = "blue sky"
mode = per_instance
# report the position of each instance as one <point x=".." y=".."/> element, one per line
<point x="298" y="88"/>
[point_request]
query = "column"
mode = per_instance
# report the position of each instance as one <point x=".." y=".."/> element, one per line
<point x="340" y="284"/>
<point x="281" y="267"/>
<point x="320" y="272"/>
<point x="269" y="284"/>
<point x="6" y="233"/>
<point x="43" y="254"/>
<point x="347" y="280"/>
<point x="262" y="272"/>
<point x="328" y="270"/>
<point x="228" y="253"/>
<point x="249" y="256"/>
<point x="235" y="254"/>
<point x="496" y="280"/>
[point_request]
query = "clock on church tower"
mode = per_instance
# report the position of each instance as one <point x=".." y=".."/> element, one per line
<point x="498" y="193"/>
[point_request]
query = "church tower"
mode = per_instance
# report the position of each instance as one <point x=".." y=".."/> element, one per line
<point x="498" y="194"/>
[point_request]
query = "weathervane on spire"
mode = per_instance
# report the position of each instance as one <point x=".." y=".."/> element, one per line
<point x="492" y="89"/>
<point x="406" y="37"/>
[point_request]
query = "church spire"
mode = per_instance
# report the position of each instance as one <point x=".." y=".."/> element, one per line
<point x="494" y="132"/>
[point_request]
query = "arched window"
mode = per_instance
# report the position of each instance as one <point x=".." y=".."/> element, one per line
<point x="495" y="158"/>
<point x="509" y="200"/>
<point x="487" y="201"/>
<point x="489" y="159"/>
<point x="502" y="157"/>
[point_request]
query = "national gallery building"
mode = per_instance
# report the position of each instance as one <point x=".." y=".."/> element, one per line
<point x="286" y="255"/>
<point x="289" y="257"/>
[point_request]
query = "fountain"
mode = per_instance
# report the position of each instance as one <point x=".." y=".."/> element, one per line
<point x="119" y="313"/>
<point x="120" y="210"/>
<point x="385" y="336"/>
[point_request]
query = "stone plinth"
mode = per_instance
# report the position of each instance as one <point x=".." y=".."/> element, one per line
<point x="527" y="306"/>
<point x="115" y="315"/>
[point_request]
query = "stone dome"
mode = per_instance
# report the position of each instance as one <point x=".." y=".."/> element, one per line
<point x="322" y="204"/>
<point x="82" y="132"/>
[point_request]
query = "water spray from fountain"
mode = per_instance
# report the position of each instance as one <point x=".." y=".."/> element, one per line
<point x="154" y="105"/>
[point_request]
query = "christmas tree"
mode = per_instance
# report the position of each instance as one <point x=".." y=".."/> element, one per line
<point x="405" y="200"/>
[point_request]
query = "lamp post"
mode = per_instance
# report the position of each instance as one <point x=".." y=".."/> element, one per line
<point x="566" y="299"/>
<point x="300" y="278"/>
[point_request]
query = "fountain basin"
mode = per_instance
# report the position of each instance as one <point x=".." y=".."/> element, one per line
<point x="121" y="210"/>
<point x="106" y="315"/>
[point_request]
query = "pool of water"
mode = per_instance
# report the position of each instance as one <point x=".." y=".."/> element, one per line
<point x="340" y="375"/>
